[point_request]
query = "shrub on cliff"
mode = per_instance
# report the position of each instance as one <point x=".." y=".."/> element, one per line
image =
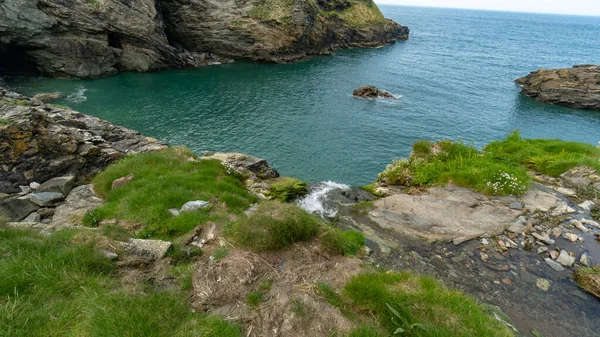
<point x="275" y="225"/>
<point x="168" y="179"/>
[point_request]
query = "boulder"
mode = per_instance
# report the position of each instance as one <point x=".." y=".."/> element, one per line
<point x="81" y="200"/>
<point x="47" y="97"/>
<point x="565" y="259"/>
<point x="17" y="208"/>
<point x="59" y="184"/>
<point x="369" y="91"/>
<point x="156" y="249"/>
<point x="195" y="205"/>
<point x="447" y="213"/>
<point x="44" y="199"/>
<point x="33" y="217"/>
<point x="577" y="87"/>
<point x="121" y="181"/>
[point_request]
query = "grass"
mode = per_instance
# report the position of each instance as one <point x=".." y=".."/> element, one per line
<point x="273" y="10"/>
<point x="287" y="189"/>
<point x="462" y="165"/>
<point x="256" y="297"/>
<point x="418" y="306"/>
<point x="341" y="242"/>
<point x="548" y="156"/>
<point x="168" y="179"/>
<point x="588" y="278"/>
<point x="60" y="285"/>
<point x="500" y="169"/>
<point x="4" y="121"/>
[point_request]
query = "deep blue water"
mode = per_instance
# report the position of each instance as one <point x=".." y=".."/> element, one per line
<point x="455" y="76"/>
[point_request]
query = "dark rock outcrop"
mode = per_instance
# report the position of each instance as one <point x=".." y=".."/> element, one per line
<point x="40" y="141"/>
<point x="92" y="38"/>
<point x="577" y="87"/>
<point x="369" y="91"/>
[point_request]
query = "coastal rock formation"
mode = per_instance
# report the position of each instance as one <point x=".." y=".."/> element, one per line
<point x="92" y="38"/>
<point x="369" y="91"/>
<point x="41" y="141"/>
<point x="577" y="87"/>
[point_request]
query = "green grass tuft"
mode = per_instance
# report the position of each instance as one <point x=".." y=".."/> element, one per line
<point x="274" y="225"/>
<point x="588" y="278"/>
<point x="167" y="179"/>
<point x="287" y="189"/>
<point x="419" y="306"/>
<point x="342" y="242"/>
<point x="422" y="148"/>
<point x="548" y="156"/>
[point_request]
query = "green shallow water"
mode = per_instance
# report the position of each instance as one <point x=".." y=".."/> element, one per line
<point x="454" y="78"/>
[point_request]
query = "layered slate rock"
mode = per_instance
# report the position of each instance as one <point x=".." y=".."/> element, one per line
<point x="577" y="87"/>
<point x="39" y="142"/>
<point x="92" y="38"/>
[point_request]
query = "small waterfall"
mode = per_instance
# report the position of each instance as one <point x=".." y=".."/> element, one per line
<point x="77" y="96"/>
<point x="315" y="200"/>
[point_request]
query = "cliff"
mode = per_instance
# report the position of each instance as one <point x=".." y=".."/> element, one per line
<point x="92" y="38"/>
<point x="577" y="87"/>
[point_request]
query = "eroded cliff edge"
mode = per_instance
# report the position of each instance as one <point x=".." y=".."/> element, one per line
<point x="92" y="38"/>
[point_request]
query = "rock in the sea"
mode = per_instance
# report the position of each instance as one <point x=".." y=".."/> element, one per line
<point x="59" y="184"/>
<point x="46" y="198"/>
<point x="47" y="97"/>
<point x="577" y="87"/>
<point x="195" y="205"/>
<point x="92" y="38"/>
<point x="369" y="91"/>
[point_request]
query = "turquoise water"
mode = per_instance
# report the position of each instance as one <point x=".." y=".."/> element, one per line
<point x="455" y="78"/>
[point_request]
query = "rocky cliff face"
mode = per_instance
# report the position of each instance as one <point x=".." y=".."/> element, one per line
<point x="92" y="38"/>
<point x="577" y="87"/>
<point x="40" y="141"/>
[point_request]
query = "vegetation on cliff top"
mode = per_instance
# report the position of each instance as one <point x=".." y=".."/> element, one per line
<point x="62" y="285"/>
<point x="500" y="169"/>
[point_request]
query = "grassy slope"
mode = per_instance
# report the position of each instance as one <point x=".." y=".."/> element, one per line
<point x="61" y="285"/>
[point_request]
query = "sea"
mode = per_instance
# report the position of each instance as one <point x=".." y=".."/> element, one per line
<point x="454" y="79"/>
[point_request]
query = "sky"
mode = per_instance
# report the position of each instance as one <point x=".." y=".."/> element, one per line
<point x="577" y="7"/>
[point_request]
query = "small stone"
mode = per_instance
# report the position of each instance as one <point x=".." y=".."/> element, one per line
<point x="34" y="185"/>
<point x="195" y="205"/>
<point x="122" y="181"/>
<point x="516" y="205"/>
<point x="507" y="281"/>
<point x="59" y="184"/>
<point x="174" y="212"/>
<point x="587" y="205"/>
<point x="590" y="222"/>
<point x="585" y="260"/>
<point x="565" y="259"/>
<point x="33" y="217"/>
<point x="554" y="265"/>
<point x="581" y="227"/>
<point x="511" y="244"/>
<point x="542" y="250"/>
<point x="46" y="198"/>
<point x="109" y="255"/>
<point x="554" y="254"/>
<point x="557" y="231"/>
<point x="544" y="238"/>
<point x="516" y="227"/>
<point x="484" y="241"/>
<point x="484" y="257"/>
<point x="154" y="248"/>
<point x="543" y="284"/>
<point x="571" y="237"/>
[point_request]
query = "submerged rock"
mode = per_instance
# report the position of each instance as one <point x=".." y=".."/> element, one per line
<point x="48" y="96"/>
<point x="577" y="87"/>
<point x="369" y="91"/>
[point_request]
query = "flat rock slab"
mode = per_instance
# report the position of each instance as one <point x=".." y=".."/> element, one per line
<point x="59" y="184"/>
<point x="81" y="200"/>
<point x="195" y="205"/>
<point x="17" y="208"/>
<point x="46" y="198"/>
<point x="449" y="214"/>
<point x="152" y="248"/>
<point x="539" y="201"/>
